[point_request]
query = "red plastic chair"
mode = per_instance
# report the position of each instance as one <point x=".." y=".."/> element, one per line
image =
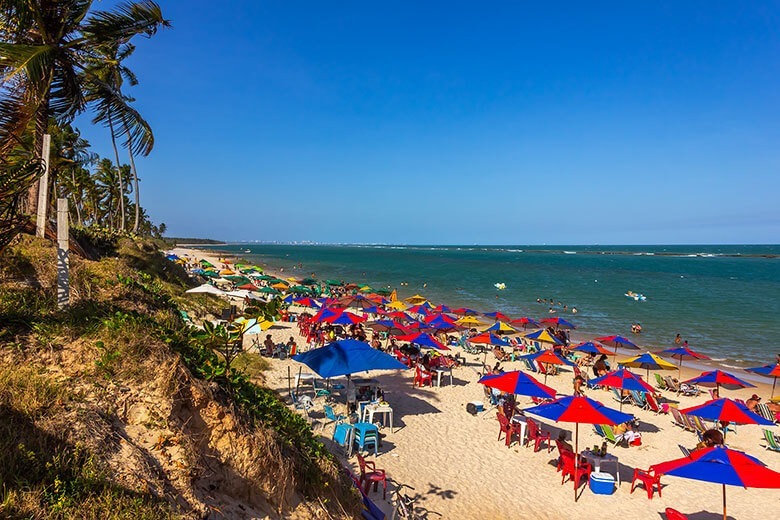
<point x="422" y="377"/>
<point x="561" y="450"/>
<point x="373" y="475"/>
<point x="649" y="479"/>
<point x="673" y="514"/>
<point x="507" y="427"/>
<point x="537" y="435"/>
<point x="403" y="358"/>
<point x="570" y="470"/>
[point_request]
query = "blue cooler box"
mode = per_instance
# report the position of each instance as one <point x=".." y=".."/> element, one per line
<point x="602" y="483"/>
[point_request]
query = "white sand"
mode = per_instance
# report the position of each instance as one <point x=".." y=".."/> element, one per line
<point x="460" y="470"/>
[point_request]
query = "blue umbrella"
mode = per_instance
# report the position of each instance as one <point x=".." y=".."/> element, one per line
<point x="579" y="409"/>
<point x="347" y="356"/>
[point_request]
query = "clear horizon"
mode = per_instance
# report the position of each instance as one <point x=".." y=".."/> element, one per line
<point x="443" y="123"/>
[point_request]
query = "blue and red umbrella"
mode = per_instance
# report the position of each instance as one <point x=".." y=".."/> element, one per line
<point x="617" y="341"/>
<point x="344" y="318"/>
<point x="463" y="311"/>
<point x="498" y="316"/>
<point x="488" y="338"/>
<point x="442" y="324"/>
<point x="726" y="410"/>
<point x="721" y="465"/>
<point x="442" y="308"/>
<point x="524" y="322"/>
<point x="590" y="348"/>
<point x="718" y="378"/>
<point x="579" y="409"/>
<point x="624" y="380"/>
<point x="560" y="323"/>
<point x="682" y="353"/>
<point x="389" y="326"/>
<point x="424" y="340"/>
<point x="769" y="371"/>
<point x="548" y="356"/>
<point x="307" y="301"/>
<point x="519" y="383"/>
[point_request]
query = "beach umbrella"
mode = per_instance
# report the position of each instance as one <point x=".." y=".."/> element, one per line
<point x="423" y="309"/>
<point x="769" y="371"/>
<point x="544" y="336"/>
<point x="238" y="279"/>
<point x="359" y="301"/>
<point x="347" y="356"/>
<point x="208" y="289"/>
<point x="307" y="301"/>
<point x="624" y="380"/>
<point x="442" y="308"/>
<point x="397" y="305"/>
<point x="264" y="277"/>
<point x="721" y="465"/>
<point x="590" y="348"/>
<point x="560" y="323"/>
<point x="498" y="316"/>
<point x="463" y="311"/>
<point x="400" y="315"/>
<point x="268" y="290"/>
<point x="718" y="378"/>
<point x="389" y="326"/>
<point x="333" y="282"/>
<point x="258" y="327"/>
<point x="726" y="410"/>
<point x="423" y="339"/>
<point x="416" y="299"/>
<point x="326" y="312"/>
<point x="616" y="341"/>
<point x="299" y="289"/>
<point x="647" y="361"/>
<point x="344" y="318"/>
<point x="524" y="322"/>
<point x="248" y="287"/>
<point x="468" y="321"/>
<point x="373" y="310"/>
<point x="210" y="273"/>
<point x="308" y="281"/>
<point x="579" y="409"/>
<point x="280" y="286"/>
<point x="548" y="356"/>
<point x="206" y="263"/>
<point x="243" y="293"/>
<point x="225" y="272"/>
<point x="500" y="327"/>
<point x="365" y="289"/>
<point x="681" y="353"/>
<point x="442" y="324"/>
<point x="488" y="338"/>
<point x="519" y="383"/>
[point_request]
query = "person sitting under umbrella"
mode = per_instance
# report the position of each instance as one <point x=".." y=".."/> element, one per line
<point x="753" y="402"/>
<point x="710" y="438"/>
<point x="627" y="433"/>
<point x="579" y="381"/>
<point x="500" y="354"/>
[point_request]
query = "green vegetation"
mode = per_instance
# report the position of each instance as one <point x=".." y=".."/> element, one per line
<point x="125" y="318"/>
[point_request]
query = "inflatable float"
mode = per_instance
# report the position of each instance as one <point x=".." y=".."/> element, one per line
<point x="636" y="296"/>
<point x="500" y="286"/>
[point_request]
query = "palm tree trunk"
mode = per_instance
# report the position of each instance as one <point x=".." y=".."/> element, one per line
<point x="41" y="125"/>
<point x="76" y="201"/>
<point x="135" y="183"/>
<point x="118" y="176"/>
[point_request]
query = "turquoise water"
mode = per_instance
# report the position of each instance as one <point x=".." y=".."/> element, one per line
<point x="725" y="300"/>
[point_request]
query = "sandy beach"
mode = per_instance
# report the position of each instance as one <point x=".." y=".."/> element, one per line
<point x="460" y="470"/>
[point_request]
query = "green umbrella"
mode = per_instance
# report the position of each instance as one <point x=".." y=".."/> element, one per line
<point x="268" y="290"/>
<point x="210" y="274"/>
<point x="383" y="292"/>
<point x="206" y="263"/>
<point x="299" y="289"/>
<point x="308" y="281"/>
<point x="277" y="280"/>
<point x="237" y="279"/>
<point x="265" y="277"/>
<point x="332" y="282"/>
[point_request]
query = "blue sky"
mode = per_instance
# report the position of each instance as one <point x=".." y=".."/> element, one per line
<point x="452" y="122"/>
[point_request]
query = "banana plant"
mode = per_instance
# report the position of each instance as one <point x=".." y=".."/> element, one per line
<point x="224" y="339"/>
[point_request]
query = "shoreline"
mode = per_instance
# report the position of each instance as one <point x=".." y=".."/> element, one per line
<point x="459" y="470"/>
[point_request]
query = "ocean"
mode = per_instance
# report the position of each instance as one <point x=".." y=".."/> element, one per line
<point x="724" y="300"/>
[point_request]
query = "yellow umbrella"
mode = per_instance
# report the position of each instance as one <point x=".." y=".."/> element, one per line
<point x="468" y="321"/>
<point x="366" y="288"/>
<point x="397" y="305"/>
<point x="417" y="299"/>
<point x="647" y="361"/>
<point x="500" y="327"/>
<point x="226" y="272"/>
<point x="279" y="286"/>
<point x="543" y="336"/>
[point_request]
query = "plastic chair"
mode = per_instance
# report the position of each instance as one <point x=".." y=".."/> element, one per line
<point x="343" y="435"/>
<point x="508" y="428"/>
<point x="365" y="434"/>
<point x="648" y="479"/>
<point x="659" y="381"/>
<point x="422" y="377"/>
<point x="673" y="514"/>
<point x="771" y="441"/>
<point x="332" y="416"/>
<point x="536" y="434"/>
<point x="569" y="469"/>
<point x="370" y="474"/>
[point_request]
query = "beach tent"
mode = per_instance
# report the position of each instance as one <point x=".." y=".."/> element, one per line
<point x="721" y="465"/>
<point x="207" y="288"/>
<point x="347" y="356"/>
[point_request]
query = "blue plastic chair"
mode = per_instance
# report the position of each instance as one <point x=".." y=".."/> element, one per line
<point x="365" y="434"/>
<point x="343" y="435"/>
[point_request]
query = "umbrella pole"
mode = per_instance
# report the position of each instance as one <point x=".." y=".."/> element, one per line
<point x="773" y="388"/>
<point x="576" y="457"/>
<point x="724" y="502"/>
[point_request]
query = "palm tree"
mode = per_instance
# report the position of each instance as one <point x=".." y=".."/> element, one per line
<point x="45" y="46"/>
<point x="105" y="78"/>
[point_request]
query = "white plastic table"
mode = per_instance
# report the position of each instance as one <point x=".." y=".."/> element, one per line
<point x="370" y="410"/>
<point x="305" y="378"/>
<point x="596" y="461"/>
<point x="522" y="420"/>
<point x="439" y="372"/>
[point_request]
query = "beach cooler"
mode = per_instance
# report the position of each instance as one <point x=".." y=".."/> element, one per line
<point x="602" y="483"/>
<point x="475" y="407"/>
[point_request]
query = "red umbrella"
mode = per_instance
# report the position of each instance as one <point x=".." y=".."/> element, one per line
<point x="525" y="321"/>
<point x="681" y="353"/>
<point x="487" y="338"/>
<point x="726" y="410"/>
<point x="248" y="287"/>
<point x="517" y="382"/>
<point x="718" y="378"/>
<point x="424" y="340"/>
<point x="624" y="380"/>
<point x="498" y="316"/>
<point x="307" y="302"/>
<point x="560" y="323"/>
<point x="344" y="318"/>
<point x="721" y="465"/>
<point x="579" y="409"/>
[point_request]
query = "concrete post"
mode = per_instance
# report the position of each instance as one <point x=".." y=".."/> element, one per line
<point x="43" y="188"/>
<point x="63" y="267"/>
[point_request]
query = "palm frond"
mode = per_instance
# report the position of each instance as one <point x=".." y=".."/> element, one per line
<point x="125" y="21"/>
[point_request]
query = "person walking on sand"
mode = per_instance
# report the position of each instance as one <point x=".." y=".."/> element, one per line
<point x="677" y="340"/>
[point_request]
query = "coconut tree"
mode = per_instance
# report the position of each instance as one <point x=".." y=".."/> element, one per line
<point x="45" y="46"/>
<point x="105" y="79"/>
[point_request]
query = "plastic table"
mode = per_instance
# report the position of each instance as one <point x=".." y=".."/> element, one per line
<point x="596" y="461"/>
<point x="372" y="409"/>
